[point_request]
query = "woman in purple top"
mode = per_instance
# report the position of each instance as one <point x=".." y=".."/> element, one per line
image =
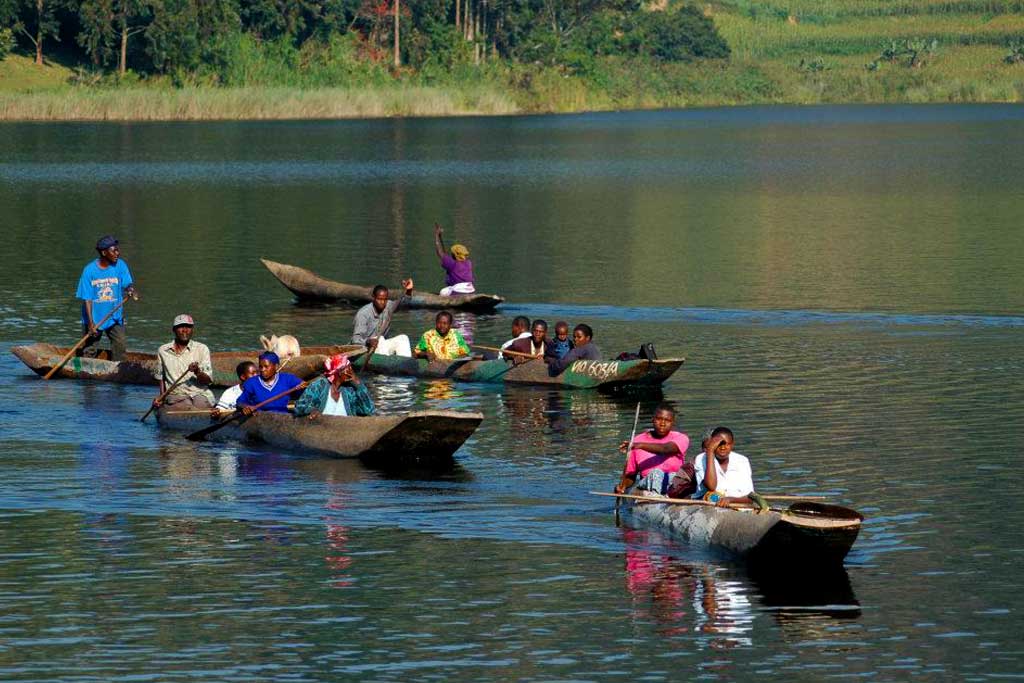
<point x="457" y="266"/>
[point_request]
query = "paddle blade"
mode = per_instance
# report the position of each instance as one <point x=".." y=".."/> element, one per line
<point x="205" y="431"/>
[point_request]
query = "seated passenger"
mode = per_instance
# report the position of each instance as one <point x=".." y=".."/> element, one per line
<point x="534" y="344"/>
<point x="229" y="398"/>
<point x="338" y="392"/>
<point x="520" y="330"/>
<point x="730" y="480"/>
<point x="657" y="454"/>
<point x="560" y="345"/>
<point x="458" y="268"/>
<point x="372" y="324"/>
<point x="583" y="349"/>
<point x="442" y="342"/>
<point x="268" y="383"/>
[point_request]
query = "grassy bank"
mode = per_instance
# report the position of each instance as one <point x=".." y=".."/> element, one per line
<point x="783" y="51"/>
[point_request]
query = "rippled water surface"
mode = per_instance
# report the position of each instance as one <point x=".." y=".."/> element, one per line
<point x="845" y="284"/>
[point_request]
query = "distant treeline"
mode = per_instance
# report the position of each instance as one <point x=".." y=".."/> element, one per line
<point x="223" y="41"/>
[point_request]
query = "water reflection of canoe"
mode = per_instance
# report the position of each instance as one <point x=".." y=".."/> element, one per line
<point x="422" y="436"/>
<point x="138" y="368"/>
<point x="807" y="533"/>
<point x="310" y="287"/>
<point x="583" y="374"/>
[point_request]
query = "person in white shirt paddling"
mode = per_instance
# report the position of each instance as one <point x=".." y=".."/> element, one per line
<point x="730" y="480"/>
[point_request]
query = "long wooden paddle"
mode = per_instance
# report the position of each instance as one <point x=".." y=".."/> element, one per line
<point x="507" y="351"/>
<point x="165" y="392"/>
<point x="675" y="501"/>
<point x="202" y="433"/>
<point x="636" y="419"/>
<point x="81" y="341"/>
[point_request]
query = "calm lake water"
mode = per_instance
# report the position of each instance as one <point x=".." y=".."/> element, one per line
<point x="845" y="283"/>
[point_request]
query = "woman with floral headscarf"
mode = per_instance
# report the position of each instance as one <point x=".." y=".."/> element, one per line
<point x="337" y="392"/>
<point x="457" y="266"/>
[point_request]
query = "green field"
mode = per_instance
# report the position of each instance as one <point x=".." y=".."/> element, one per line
<point x="783" y="51"/>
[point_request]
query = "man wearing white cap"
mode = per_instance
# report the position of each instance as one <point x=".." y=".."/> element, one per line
<point x="187" y="359"/>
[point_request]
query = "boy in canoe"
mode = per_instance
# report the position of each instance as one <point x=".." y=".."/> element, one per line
<point x="731" y="479"/>
<point x="657" y="454"/>
<point x="442" y="342"/>
<point x="560" y="345"/>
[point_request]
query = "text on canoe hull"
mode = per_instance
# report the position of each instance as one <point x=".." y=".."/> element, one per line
<point x="597" y="369"/>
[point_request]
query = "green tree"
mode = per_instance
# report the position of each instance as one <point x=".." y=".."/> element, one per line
<point x="37" y="21"/>
<point x="107" y="26"/>
<point x="186" y="34"/>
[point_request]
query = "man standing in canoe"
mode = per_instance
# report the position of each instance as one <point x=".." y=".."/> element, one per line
<point x="731" y="479"/>
<point x="103" y="285"/>
<point x="186" y="362"/>
<point x="442" y="342"/>
<point x="458" y="268"/>
<point x="583" y="349"/>
<point x="267" y="384"/>
<point x="373" y="322"/>
<point x="657" y="454"/>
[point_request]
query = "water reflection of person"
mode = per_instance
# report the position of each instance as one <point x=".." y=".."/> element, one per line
<point x="722" y="614"/>
<point x="666" y="581"/>
<point x="723" y="611"/>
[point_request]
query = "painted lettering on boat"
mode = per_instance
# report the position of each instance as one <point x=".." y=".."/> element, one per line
<point x="597" y="369"/>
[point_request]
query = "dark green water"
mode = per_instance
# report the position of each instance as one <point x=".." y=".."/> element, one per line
<point x="845" y="284"/>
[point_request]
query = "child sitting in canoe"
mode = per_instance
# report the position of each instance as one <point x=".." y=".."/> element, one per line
<point x="657" y="454"/>
<point x="730" y="480"/>
<point x="227" y="401"/>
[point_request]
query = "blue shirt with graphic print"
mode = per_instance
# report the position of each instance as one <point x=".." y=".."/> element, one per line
<point x="105" y="288"/>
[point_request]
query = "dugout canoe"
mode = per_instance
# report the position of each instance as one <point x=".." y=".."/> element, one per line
<point x="307" y="286"/>
<point x="138" y="368"/>
<point x="806" y="533"/>
<point x="422" y="436"/>
<point x="606" y="375"/>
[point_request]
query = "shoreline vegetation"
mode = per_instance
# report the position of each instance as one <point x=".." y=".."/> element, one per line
<point x="621" y="55"/>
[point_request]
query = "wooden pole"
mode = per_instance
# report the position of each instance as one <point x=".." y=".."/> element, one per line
<point x="81" y="341"/>
<point x="202" y="433"/>
<point x="632" y="436"/>
<point x="166" y="391"/>
<point x="511" y="353"/>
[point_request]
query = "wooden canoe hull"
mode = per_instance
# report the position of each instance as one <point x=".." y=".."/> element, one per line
<point x="423" y="436"/>
<point x="583" y="374"/>
<point x="308" y="286"/>
<point x="806" y="539"/>
<point x="138" y="368"/>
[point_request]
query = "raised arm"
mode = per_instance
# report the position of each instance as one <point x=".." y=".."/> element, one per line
<point x="438" y="241"/>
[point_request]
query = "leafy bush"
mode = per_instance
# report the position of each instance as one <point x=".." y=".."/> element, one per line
<point x="1016" y="53"/>
<point x="6" y="42"/>
<point x="912" y="53"/>
<point x="679" y="36"/>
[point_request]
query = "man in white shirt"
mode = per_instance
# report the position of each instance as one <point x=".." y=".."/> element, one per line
<point x="731" y="478"/>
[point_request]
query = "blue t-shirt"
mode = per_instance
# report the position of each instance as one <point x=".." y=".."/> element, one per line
<point x="256" y="391"/>
<point x="105" y="288"/>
